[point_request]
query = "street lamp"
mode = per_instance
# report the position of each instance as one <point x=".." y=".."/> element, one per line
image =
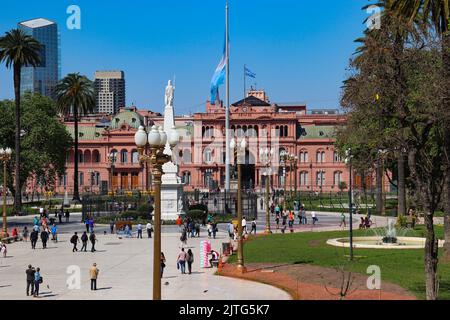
<point x="348" y="161"/>
<point x="156" y="139"/>
<point x="382" y="154"/>
<point x="266" y="157"/>
<point x="284" y="158"/>
<point x="112" y="158"/>
<point x="5" y="157"/>
<point x="238" y="149"/>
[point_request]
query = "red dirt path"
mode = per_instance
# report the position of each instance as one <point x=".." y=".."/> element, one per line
<point x="307" y="282"/>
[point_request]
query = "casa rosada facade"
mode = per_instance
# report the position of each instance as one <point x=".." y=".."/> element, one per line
<point x="109" y="159"/>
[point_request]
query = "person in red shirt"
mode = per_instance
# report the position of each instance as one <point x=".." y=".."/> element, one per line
<point x="179" y="222"/>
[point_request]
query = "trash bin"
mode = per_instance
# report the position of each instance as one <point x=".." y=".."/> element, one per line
<point x="226" y="248"/>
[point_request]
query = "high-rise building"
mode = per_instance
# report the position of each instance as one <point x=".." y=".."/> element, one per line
<point x="42" y="79"/>
<point x="110" y="91"/>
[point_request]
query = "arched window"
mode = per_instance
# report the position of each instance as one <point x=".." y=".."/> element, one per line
<point x="95" y="156"/>
<point x="337" y="157"/>
<point x="304" y="158"/>
<point x="320" y="156"/>
<point x="286" y="131"/>
<point x="304" y="179"/>
<point x="320" y="178"/>
<point x="80" y="156"/>
<point x="208" y="155"/>
<point x="124" y="156"/>
<point x="186" y="178"/>
<point x="187" y="157"/>
<point x="337" y="178"/>
<point x="87" y="156"/>
<point x="81" y="179"/>
<point x="134" y="156"/>
<point x="113" y="153"/>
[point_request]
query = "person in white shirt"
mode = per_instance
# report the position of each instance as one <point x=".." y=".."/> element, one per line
<point x="314" y="218"/>
<point x="149" y="229"/>
<point x="244" y="225"/>
<point x="139" y="231"/>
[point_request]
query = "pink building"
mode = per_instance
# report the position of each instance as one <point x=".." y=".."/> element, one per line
<point x="201" y="153"/>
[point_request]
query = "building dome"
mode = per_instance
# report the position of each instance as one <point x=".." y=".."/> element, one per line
<point x="127" y="117"/>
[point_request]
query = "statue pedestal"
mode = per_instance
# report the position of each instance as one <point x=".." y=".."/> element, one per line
<point x="171" y="192"/>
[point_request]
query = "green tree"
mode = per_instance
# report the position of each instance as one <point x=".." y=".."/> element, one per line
<point x="45" y="140"/>
<point x="18" y="50"/>
<point x="75" y="95"/>
<point x="405" y="73"/>
<point x="438" y="13"/>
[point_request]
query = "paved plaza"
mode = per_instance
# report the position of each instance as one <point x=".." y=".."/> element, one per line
<point x="125" y="271"/>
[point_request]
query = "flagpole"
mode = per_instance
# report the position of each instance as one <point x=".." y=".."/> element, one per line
<point x="227" y="107"/>
<point x="245" y="84"/>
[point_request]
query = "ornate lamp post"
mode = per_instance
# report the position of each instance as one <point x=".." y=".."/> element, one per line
<point x="5" y="157"/>
<point x="238" y="150"/>
<point x="382" y="153"/>
<point x="156" y="140"/>
<point x="283" y="159"/>
<point x="112" y="158"/>
<point x="348" y="160"/>
<point x="266" y="157"/>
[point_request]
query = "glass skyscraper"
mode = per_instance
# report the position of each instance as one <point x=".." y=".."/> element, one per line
<point x="43" y="78"/>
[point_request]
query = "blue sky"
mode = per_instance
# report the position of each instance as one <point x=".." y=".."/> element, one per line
<point x="299" y="49"/>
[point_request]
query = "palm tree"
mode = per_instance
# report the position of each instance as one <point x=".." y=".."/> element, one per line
<point x="437" y="12"/>
<point x="18" y="50"/>
<point x="75" y="94"/>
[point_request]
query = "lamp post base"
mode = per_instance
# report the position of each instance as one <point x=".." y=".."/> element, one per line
<point x="4" y="234"/>
<point x="267" y="231"/>
<point x="241" y="269"/>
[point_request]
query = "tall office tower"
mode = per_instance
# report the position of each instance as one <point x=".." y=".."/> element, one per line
<point x="43" y="78"/>
<point x="110" y="91"/>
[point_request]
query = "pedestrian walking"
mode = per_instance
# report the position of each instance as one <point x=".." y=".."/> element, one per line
<point x="190" y="260"/>
<point x="181" y="261"/>
<point x="139" y="231"/>
<point x="74" y="240"/>
<point x="34" y="238"/>
<point x="244" y="225"/>
<point x="230" y="229"/>
<point x="343" y="222"/>
<point x="91" y="225"/>
<point x="37" y="281"/>
<point x="30" y="279"/>
<point x="253" y="226"/>
<point x="67" y="215"/>
<point x="86" y="224"/>
<point x="84" y="241"/>
<point x="25" y="234"/>
<point x="149" y="229"/>
<point x="54" y="233"/>
<point x="197" y="229"/>
<point x="277" y="220"/>
<point x="93" y="273"/>
<point x="3" y="249"/>
<point x="183" y="238"/>
<point x="314" y="217"/>
<point x="163" y="263"/>
<point x="111" y="226"/>
<point x="92" y="239"/>
<point x="44" y="239"/>
<point x="214" y="229"/>
<point x="60" y="214"/>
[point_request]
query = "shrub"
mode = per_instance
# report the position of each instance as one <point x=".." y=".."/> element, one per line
<point x="199" y="206"/>
<point x="146" y="209"/>
<point x="197" y="215"/>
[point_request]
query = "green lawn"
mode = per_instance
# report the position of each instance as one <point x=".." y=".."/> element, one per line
<point x="403" y="267"/>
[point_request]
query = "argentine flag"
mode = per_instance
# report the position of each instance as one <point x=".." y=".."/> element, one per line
<point x="218" y="77"/>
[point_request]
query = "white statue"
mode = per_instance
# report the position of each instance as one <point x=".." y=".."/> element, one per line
<point x="180" y="204"/>
<point x="170" y="89"/>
